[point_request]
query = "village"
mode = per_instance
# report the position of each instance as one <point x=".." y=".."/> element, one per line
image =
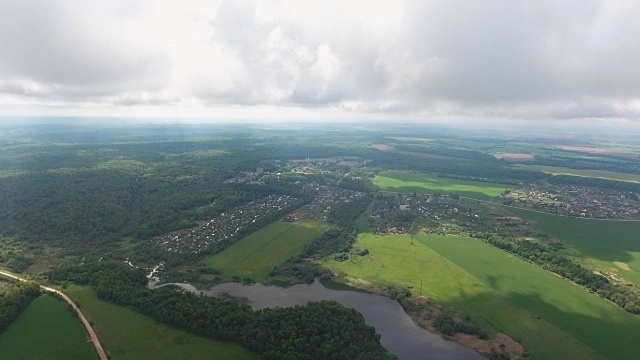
<point x="224" y="227"/>
<point x="396" y="214"/>
<point x="578" y="201"/>
<point x="326" y="199"/>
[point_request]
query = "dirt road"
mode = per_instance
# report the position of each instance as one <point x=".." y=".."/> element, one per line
<point x="92" y="334"/>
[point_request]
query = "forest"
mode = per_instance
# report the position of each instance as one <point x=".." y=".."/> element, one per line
<point x="313" y="331"/>
<point x="15" y="300"/>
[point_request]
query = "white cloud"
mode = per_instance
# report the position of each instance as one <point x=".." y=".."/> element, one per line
<point x="394" y="59"/>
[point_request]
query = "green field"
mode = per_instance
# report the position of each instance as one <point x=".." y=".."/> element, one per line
<point x="126" y="334"/>
<point x="600" y="174"/>
<point x="410" y="182"/>
<point x="553" y="318"/>
<point x="609" y="245"/>
<point x="255" y="255"/>
<point x="46" y="330"/>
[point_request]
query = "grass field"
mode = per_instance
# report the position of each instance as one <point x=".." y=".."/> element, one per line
<point x="255" y="255"/>
<point x="126" y="334"/>
<point x="46" y="330"/>
<point x="600" y="174"/>
<point x="553" y="318"/>
<point x="410" y="182"/>
<point x="612" y="245"/>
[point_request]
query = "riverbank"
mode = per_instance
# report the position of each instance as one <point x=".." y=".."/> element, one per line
<point x="399" y="333"/>
<point x="423" y="313"/>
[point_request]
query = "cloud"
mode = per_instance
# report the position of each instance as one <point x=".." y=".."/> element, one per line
<point x="522" y="60"/>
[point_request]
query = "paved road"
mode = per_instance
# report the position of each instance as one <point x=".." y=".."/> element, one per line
<point x="92" y="334"/>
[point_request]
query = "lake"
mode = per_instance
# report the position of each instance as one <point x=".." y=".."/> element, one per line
<point x="399" y="334"/>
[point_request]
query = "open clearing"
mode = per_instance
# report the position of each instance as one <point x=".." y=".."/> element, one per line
<point x="550" y="316"/>
<point x="410" y="182"/>
<point x="606" y="242"/>
<point x="255" y="255"/>
<point x="513" y="156"/>
<point x="126" y="334"/>
<point x="600" y="174"/>
<point x="46" y="330"/>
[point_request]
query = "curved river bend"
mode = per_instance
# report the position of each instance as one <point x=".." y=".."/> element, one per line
<point x="399" y="334"/>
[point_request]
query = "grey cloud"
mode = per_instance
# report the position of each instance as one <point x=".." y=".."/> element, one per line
<point x="525" y="59"/>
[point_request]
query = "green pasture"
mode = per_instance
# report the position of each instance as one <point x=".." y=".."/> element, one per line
<point x="600" y="174"/>
<point x="537" y="296"/>
<point x="611" y="245"/>
<point x="126" y="334"/>
<point x="46" y="330"/>
<point x="553" y="318"/>
<point x="411" y="182"/>
<point x="255" y="255"/>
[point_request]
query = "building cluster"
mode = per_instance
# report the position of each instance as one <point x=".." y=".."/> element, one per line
<point x="325" y="200"/>
<point x="396" y="214"/>
<point x="578" y="201"/>
<point x="249" y="177"/>
<point x="224" y="227"/>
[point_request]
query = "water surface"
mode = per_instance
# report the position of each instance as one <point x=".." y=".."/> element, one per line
<point x="399" y="334"/>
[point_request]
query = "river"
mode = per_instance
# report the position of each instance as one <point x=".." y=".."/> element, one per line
<point x="399" y="334"/>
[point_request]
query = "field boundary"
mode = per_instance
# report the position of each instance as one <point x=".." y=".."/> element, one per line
<point x="92" y="334"/>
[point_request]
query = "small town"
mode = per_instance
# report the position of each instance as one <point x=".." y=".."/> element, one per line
<point x="226" y="226"/>
<point x="326" y="199"/>
<point x="578" y="201"/>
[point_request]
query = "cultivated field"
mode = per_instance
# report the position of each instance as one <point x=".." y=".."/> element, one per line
<point x="601" y="174"/>
<point x="46" y="330"/>
<point x="255" y="255"/>
<point x="410" y="182"/>
<point x="550" y="316"/>
<point x="126" y="334"/>
<point x="537" y="298"/>
<point x="613" y="246"/>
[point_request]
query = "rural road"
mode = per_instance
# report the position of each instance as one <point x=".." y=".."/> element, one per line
<point x="94" y="339"/>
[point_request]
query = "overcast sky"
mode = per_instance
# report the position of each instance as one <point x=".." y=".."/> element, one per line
<point x="297" y="59"/>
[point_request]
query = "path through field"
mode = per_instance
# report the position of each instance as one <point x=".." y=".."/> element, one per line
<point x="92" y="334"/>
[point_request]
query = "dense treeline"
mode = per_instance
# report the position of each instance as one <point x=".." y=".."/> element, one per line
<point x="594" y="182"/>
<point x="630" y="166"/>
<point x="315" y="331"/>
<point x="446" y="324"/>
<point x="542" y="255"/>
<point x="463" y="169"/>
<point x="339" y="239"/>
<point x="15" y="300"/>
<point x="345" y="214"/>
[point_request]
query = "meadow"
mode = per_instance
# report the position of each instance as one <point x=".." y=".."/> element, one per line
<point x="250" y="258"/>
<point x="600" y="174"/>
<point x="544" y="296"/>
<point x="553" y="318"/>
<point x="611" y="245"/>
<point x="46" y="330"/>
<point x="126" y="334"/>
<point x="411" y="182"/>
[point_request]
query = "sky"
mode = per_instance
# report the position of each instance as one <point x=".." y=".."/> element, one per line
<point x="440" y="61"/>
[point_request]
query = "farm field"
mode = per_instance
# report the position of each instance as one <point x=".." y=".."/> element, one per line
<point x="126" y="334"/>
<point x="611" y="245"/>
<point x="410" y="182"/>
<point x="600" y="174"/>
<point x="255" y="255"/>
<point x="46" y="330"/>
<point x="551" y="317"/>
<point x="540" y="297"/>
